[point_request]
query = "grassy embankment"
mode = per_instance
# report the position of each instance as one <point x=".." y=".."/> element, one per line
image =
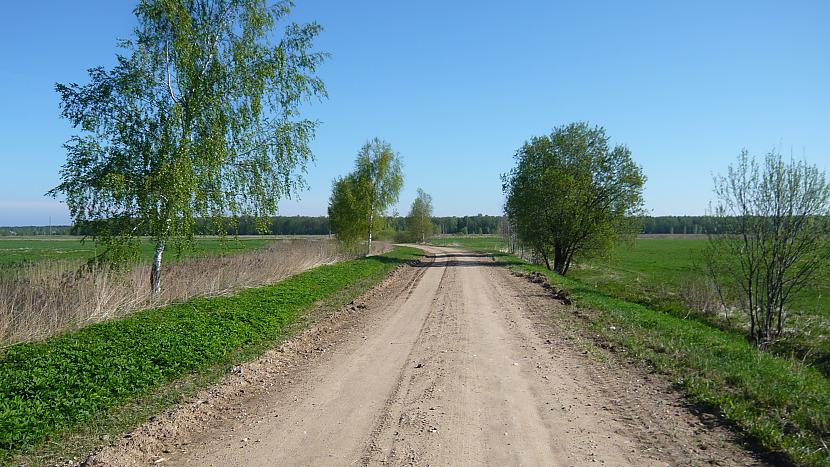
<point x="780" y="402"/>
<point x="59" y="396"/>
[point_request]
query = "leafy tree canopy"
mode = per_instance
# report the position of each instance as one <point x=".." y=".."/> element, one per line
<point x="199" y="118"/>
<point x="571" y="193"/>
<point x="359" y="200"/>
<point x="419" y="220"/>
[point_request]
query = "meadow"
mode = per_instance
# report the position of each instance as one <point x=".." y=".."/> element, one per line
<point x="654" y="270"/>
<point x="15" y="251"/>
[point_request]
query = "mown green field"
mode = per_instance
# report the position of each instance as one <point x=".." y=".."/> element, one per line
<point x="23" y="250"/>
<point x="88" y="381"/>
<point x="653" y="270"/>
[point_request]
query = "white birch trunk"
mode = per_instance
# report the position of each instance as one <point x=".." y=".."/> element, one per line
<point x="155" y="272"/>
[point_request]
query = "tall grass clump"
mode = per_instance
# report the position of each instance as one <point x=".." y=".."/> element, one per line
<point x="43" y="299"/>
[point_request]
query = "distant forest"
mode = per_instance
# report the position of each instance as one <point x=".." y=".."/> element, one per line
<point x="306" y="225"/>
<point x="296" y="225"/>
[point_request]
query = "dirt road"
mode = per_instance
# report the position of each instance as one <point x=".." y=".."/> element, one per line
<point x="454" y="362"/>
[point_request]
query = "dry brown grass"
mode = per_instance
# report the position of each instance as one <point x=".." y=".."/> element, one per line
<point x="44" y="299"/>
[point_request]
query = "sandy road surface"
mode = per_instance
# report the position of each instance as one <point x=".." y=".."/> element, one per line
<point x="453" y="362"/>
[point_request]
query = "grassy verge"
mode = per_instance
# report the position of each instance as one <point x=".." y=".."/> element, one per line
<point x="49" y="390"/>
<point x="781" y="403"/>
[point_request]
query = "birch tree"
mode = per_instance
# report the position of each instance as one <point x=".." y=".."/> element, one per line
<point x="419" y="220"/>
<point x="361" y="199"/>
<point x="199" y="118"/>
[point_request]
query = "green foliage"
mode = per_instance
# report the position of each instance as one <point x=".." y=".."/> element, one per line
<point x="55" y="385"/>
<point x="200" y="118"/>
<point x="479" y="224"/>
<point x="419" y="221"/>
<point x="572" y="194"/>
<point x="359" y="200"/>
<point x="346" y="219"/>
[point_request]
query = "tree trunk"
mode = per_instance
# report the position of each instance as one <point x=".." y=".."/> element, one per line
<point x="155" y="272"/>
<point x="559" y="260"/>
<point x="369" y="241"/>
<point x="547" y="261"/>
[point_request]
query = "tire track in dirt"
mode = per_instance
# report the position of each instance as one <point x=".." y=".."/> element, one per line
<point x="385" y="418"/>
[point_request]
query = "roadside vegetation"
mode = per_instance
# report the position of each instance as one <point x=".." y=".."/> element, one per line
<point x="419" y="226"/>
<point x="780" y="402"/>
<point x="50" y="389"/>
<point x="572" y="194"/>
<point x="41" y="299"/>
<point x="769" y="239"/>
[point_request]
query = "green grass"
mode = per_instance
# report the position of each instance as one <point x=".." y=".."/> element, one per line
<point x="50" y="389"/>
<point x="22" y="250"/>
<point x="652" y="270"/>
<point x="470" y="242"/>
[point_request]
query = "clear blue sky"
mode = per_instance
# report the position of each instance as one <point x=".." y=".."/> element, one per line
<point x="457" y="86"/>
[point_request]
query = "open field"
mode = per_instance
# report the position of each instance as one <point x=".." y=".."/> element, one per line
<point x="655" y="269"/>
<point x="77" y="381"/>
<point x="21" y="250"/>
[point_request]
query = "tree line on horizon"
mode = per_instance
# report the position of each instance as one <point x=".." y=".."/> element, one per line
<point x="479" y="224"/>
